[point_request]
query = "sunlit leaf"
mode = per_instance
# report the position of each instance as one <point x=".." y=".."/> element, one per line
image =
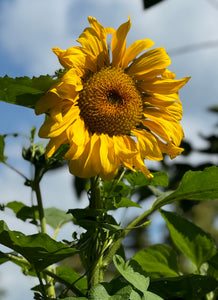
<point x="158" y="261"/>
<point x="190" y="239"/>
<point x="132" y="272"/>
<point x="39" y="249"/>
<point x="115" y="290"/>
<point x="24" y="91"/>
<point x="138" y="179"/>
<point x="195" y="185"/>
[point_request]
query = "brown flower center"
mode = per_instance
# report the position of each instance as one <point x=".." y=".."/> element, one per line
<point x="110" y="103"/>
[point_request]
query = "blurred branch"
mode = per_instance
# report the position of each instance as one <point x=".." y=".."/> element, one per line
<point x="214" y="3"/>
<point x="149" y="3"/>
<point x="193" y="47"/>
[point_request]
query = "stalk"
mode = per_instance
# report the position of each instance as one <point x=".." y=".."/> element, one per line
<point x="49" y="280"/>
<point x="118" y="242"/>
<point x="94" y="274"/>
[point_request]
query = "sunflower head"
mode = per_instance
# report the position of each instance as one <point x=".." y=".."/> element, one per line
<point x="112" y="113"/>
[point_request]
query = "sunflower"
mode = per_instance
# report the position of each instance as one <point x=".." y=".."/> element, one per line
<point x="112" y="112"/>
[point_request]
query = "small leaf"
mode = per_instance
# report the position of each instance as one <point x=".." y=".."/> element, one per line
<point x="118" y="202"/>
<point x="115" y="290"/>
<point x="39" y="249"/>
<point x="195" y="185"/>
<point x="158" y="261"/>
<point x="191" y="287"/>
<point x="72" y="277"/>
<point x="56" y="218"/>
<point x="2" y="148"/>
<point x="196" y="244"/>
<point x="22" y="211"/>
<point x="132" y="272"/>
<point x="24" y="91"/>
<point x="138" y="179"/>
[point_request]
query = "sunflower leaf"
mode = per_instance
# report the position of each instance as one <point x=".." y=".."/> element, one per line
<point x="195" y="185"/>
<point x="24" y="91"/>
<point x="138" y="179"/>
<point x="39" y="249"/>
<point x="190" y="239"/>
<point x="132" y="272"/>
<point x="158" y="261"/>
<point x="115" y="290"/>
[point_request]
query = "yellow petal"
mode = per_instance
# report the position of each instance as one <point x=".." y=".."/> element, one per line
<point x="166" y="127"/>
<point x="77" y="132"/>
<point x="139" y="165"/>
<point x="148" y="146"/>
<point x="161" y="99"/>
<point x="68" y="86"/>
<point x="170" y="149"/>
<point x="55" y="143"/>
<point x="163" y="86"/>
<point x="48" y="101"/>
<point x="76" y="57"/>
<point x="134" y="50"/>
<point x="88" y="164"/>
<point x="51" y="128"/>
<point x="90" y="40"/>
<point x="149" y="61"/>
<point x="124" y="147"/>
<point x="118" y="43"/>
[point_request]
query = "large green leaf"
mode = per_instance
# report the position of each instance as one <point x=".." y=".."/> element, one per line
<point x="190" y="287"/>
<point x="24" y="91"/>
<point x="115" y="290"/>
<point x="196" y="244"/>
<point x="138" y="179"/>
<point x="39" y="249"/>
<point x="158" y="261"/>
<point x="195" y="185"/>
<point x="132" y="272"/>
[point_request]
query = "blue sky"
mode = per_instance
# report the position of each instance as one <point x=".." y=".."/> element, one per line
<point x="28" y="31"/>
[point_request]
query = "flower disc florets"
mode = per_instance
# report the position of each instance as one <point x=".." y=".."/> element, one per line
<point x="110" y="103"/>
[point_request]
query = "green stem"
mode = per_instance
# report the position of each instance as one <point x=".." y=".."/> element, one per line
<point x="95" y="198"/>
<point x="118" y="242"/>
<point x="17" y="171"/>
<point x="25" y="262"/>
<point x="49" y="281"/>
<point x="94" y="274"/>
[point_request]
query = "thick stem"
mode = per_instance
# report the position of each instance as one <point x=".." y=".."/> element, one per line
<point x="95" y="197"/>
<point x="94" y="275"/>
<point x="49" y="281"/>
<point x="117" y="244"/>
